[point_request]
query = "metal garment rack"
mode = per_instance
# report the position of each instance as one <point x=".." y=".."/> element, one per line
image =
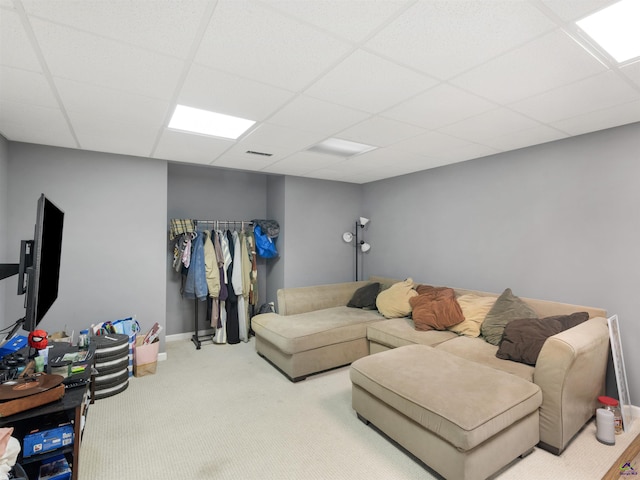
<point x="215" y="224"/>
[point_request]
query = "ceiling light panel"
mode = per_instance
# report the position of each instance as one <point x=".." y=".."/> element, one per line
<point x="615" y="29"/>
<point x="341" y="148"/>
<point x="204" y="122"/>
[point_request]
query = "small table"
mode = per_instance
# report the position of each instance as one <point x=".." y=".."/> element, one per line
<point x="72" y="407"/>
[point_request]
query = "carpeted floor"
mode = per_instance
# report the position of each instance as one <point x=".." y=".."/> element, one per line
<point x="222" y="412"/>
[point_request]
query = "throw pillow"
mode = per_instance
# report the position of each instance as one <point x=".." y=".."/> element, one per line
<point x="508" y="307"/>
<point x="394" y="301"/>
<point x="365" y="297"/>
<point x="435" y="308"/>
<point x="475" y="309"/>
<point x="523" y="338"/>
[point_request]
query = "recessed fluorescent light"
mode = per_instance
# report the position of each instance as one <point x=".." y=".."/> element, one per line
<point x="616" y="29"/>
<point x="194" y="120"/>
<point x="341" y="148"/>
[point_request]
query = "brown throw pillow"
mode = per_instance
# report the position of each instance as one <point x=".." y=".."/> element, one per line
<point x="508" y="307"/>
<point x="523" y="338"/>
<point x="435" y="308"/>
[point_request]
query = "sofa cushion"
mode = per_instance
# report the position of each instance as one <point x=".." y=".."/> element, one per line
<point x="475" y="309"/>
<point x="508" y="307"/>
<point x="435" y="308"/>
<point x="523" y="338"/>
<point x="479" y="351"/>
<point x="397" y="332"/>
<point x="394" y="301"/>
<point x="306" y="331"/>
<point x="365" y="297"/>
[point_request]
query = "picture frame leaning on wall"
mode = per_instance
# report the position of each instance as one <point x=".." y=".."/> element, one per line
<point x="621" y="373"/>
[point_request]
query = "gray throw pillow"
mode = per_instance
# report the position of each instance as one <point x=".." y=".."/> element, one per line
<point x="507" y="307"/>
<point x="365" y="297"/>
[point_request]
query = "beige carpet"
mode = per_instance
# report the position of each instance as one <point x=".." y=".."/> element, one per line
<point x="222" y="412"/>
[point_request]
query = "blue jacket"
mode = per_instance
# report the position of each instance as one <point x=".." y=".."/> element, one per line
<point x="196" y="283"/>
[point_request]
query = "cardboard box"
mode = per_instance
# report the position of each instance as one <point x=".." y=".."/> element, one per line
<point x="47" y="440"/>
<point x="55" y="468"/>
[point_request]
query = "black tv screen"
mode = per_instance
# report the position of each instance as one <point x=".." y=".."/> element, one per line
<point x="43" y="273"/>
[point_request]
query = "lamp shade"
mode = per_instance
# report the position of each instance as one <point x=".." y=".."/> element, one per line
<point x="347" y="236"/>
<point x="365" y="247"/>
<point x="363" y="221"/>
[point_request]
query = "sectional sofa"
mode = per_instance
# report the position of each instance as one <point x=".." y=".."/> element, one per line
<point x="314" y="330"/>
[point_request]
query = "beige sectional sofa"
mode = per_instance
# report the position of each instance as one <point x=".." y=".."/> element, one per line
<point x="315" y="331"/>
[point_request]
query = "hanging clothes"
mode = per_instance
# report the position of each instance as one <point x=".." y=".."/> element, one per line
<point x="196" y="282"/>
<point x="233" y="327"/>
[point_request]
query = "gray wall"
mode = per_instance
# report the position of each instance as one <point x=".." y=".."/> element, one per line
<point x="317" y="213"/>
<point x="113" y="253"/>
<point x="207" y="193"/>
<point x="276" y="211"/>
<point x="7" y="285"/>
<point x="557" y="221"/>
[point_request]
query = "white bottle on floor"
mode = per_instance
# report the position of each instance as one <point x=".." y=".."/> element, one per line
<point x="605" y="426"/>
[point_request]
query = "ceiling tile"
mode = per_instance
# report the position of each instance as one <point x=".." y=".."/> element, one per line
<point x="369" y="83"/>
<point x="15" y="48"/>
<point x="592" y="94"/>
<point x="270" y="138"/>
<point x="432" y="144"/>
<point x="242" y="162"/>
<point x="572" y="10"/>
<point x="183" y="147"/>
<point x="380" y="131"/>
<point x="114" y="106"/>
<point x="524" y="138"/>
<point x="104" y="135"/>
<point x="337" y="16"/>
<point x="26" y="87"/>
<point x="426" y="38"/>
<point x="545" y="63"/>
<point x="440" y="106"/>
<point x="88" y="58"/>
<point x="302" y="163"/>
<point x="138" y="24"/>
<point x="35" y="124"/>
<point x="467" y="152"/>
<point x="485" y="125"/>
<point x="317" y="116"/>
<point x="632" y="72"/>
<point x="221" y="92"/>
<point x="601" y="119"/>
<point x="247" y="39"/>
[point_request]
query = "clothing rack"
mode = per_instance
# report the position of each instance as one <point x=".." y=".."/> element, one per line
<point x="196" y="338"/>
<point x="224" y="223"/>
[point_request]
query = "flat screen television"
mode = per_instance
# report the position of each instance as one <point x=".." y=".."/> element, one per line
<point x="39" y="267"/>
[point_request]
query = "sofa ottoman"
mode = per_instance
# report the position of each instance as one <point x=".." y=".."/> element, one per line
<point x="462" y="419"/>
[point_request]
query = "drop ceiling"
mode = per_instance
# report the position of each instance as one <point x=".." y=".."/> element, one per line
<point x="427" y="82"/>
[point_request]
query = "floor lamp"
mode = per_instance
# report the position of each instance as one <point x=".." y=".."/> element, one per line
<point x="359" y="244"/>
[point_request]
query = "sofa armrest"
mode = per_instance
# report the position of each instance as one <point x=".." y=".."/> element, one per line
<point x="570" y="371"/>
<point x="292" y="301"/>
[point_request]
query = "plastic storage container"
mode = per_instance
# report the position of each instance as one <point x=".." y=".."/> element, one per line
<point x="612" y="405"/>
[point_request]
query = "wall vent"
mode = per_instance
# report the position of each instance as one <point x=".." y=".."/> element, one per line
<point x="264" y="154"/>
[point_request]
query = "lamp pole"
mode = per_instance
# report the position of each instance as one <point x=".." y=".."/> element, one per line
<point x="357" y="251"/>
